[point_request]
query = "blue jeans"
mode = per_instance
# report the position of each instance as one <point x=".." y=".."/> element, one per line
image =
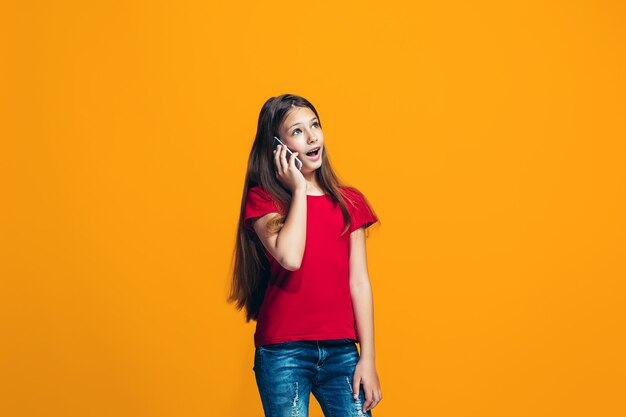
<point x="286" y="373"/>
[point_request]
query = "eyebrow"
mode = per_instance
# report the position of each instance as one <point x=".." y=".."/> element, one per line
<point x="313" y="118"/>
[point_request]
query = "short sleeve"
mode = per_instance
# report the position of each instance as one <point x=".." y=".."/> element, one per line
<point x="258" y="203"/>
<point x="361" y="213"/>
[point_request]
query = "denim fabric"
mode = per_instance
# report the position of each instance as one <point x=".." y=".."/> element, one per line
<point x="288" y="372"/>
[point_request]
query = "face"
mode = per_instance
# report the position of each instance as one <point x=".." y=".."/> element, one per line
<point x="301" y="132"/>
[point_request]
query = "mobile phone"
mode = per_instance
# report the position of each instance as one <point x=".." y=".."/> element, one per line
<point x="297" y="161"/>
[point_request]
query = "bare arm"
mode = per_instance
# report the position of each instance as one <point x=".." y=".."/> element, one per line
<point x="361" y="292"/>
<point x="286" y="246"/>
<point x="363" y="305"/>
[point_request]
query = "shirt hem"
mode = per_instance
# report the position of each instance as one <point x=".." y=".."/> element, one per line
<point x="324" y="336"/>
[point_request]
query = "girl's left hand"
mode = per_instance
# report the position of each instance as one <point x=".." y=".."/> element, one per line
<point x="365" y="373"/>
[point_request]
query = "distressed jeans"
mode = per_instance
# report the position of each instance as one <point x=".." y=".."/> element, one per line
<point x="287" y="373"/>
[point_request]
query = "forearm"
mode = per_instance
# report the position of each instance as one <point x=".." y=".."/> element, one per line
<point x="292" y="237"/>
<point x="363" y="306"/>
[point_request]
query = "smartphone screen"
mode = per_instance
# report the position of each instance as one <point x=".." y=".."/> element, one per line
<point x="297" y="161"/>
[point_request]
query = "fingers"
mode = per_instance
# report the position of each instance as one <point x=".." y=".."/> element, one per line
<point x="372" y="398"/>
<point x="356" y="385"/>
<point x="277" y="159"/>
<point x="369" y="399"/>
<point x="280" y="159"/>
<point x="292" y="159"/>
<point x="283" y="158"/>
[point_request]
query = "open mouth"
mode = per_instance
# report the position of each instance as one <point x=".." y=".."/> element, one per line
<point x="313" y="153"/>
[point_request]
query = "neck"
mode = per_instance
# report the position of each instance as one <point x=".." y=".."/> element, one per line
<point x="311" y="181"/>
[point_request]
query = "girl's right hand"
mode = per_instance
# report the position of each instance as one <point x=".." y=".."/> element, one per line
<point x="286" y="171"/>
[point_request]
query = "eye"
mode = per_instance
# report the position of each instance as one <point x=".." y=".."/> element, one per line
<point x="298" y="130"/>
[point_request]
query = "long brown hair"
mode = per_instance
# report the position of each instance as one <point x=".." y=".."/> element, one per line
<point x="251" y="267"/>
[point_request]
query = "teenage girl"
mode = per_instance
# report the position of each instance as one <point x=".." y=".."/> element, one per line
<point x="300" y="271"/>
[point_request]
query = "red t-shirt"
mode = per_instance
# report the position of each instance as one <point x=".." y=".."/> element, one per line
<point x="313" y="302"/>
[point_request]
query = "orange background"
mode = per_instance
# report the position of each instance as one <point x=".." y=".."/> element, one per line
<point x="489" y="137"/>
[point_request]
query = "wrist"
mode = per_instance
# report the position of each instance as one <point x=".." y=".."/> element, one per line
<point x="367" y="359"/>
<point x="368" y="356"/>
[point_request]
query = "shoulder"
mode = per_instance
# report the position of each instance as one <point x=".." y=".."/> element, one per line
<point x="358" y="207"/>
<point x="349" y="190"/>
<point x="351" y="195"/>
<point x="257" y="189"/>
<point x="259" y="196"/>
<point x="259" y="192"/>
